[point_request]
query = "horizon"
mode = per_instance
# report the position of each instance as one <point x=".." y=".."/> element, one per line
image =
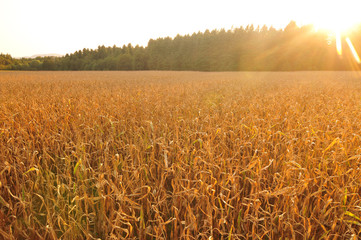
<point x="42" y="27"/>
<point x="146" y="45"/>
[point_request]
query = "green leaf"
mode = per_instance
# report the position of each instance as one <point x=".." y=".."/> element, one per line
<point x="352" y="215"/>
<point x="32" y="169"/>
<point x="77" y="165"/>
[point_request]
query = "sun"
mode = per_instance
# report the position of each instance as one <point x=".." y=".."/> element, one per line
<point x="336" y="16"/>
<point x="335" y="22"/>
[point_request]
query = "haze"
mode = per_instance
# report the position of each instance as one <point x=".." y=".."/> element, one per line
<point x="40" y="27"/>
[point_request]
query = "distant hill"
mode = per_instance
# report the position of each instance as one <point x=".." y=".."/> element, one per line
<point x="46" y="55"/>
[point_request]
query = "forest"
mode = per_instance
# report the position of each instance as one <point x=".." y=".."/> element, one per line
<point x="248" y="48"/>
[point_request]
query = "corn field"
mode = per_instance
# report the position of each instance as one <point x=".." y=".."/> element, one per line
<point x="180" y="155"/>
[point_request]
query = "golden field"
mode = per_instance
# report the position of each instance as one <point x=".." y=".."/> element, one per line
<point x="180" y="155"/>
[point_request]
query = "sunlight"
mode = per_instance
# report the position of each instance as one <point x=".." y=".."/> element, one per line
<point x="353" y="50"/>
<point x="336" y="16"/>
<point x="338" y="43"/>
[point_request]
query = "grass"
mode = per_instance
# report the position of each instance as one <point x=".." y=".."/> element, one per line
<point x="180" y="155"/>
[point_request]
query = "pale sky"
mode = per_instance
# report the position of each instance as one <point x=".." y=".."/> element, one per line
<point x="29" y="27"/>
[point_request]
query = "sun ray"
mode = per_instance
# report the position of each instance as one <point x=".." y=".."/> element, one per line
<point x="353" y="50"/>
<point x="338" y="43"/>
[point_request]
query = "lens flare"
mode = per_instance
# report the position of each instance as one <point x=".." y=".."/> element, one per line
<point x="353" y="50"/>
<point x="338" y="43"/>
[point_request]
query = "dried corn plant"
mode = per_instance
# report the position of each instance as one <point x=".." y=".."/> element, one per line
<point x="180" y="155"/>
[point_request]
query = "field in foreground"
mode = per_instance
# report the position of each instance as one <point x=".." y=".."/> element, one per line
<point x="143" y="155"/>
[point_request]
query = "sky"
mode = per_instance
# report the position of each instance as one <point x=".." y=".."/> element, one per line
<point x="29" y="27"/>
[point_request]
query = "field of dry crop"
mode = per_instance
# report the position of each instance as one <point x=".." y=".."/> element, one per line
<point x="180" y="155"/>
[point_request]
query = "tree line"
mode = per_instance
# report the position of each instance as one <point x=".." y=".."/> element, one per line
<point x="240" y="49"/>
